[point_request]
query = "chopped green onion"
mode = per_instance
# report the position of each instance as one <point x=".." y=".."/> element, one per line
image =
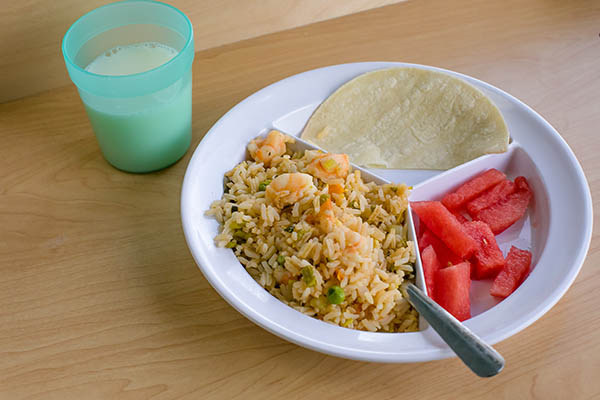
<point x="323" y="198"/>
<point x="308" y="276"/>
<point x="263" y="185"/>
<point x="235" y="226"/>
<point x="329" y="165"/>
<point x="289" y="229"/>
<point x="241" y="235"/>
<point x="335" y="295"/>
<point x="280" y="259"/>
<point x="231" y="244"/>
<point x="320" y="303"/>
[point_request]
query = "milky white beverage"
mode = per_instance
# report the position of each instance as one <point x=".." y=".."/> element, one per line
<point x="132" y="64"/>
<point x="131" y="59"/>
<point x="134" y="140"/>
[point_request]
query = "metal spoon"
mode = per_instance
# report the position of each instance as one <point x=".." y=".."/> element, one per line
<point x="479" y="356"/>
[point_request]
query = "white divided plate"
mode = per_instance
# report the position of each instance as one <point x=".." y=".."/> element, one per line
<point x="557" y="228"/>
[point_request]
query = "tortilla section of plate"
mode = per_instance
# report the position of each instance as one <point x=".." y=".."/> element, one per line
<point x="408" y="118"/>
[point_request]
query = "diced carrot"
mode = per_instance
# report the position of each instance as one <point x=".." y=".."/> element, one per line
<point x="336" y="188"/>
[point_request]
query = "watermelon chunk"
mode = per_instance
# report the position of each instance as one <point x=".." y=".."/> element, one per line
<point x="522" y="183"/>
<point x="492" y="196"/>
<point x="487" y="260"/>
<point x="459" y="216"/>
<point x="472" y="188"/>
<point x="431" y="265"/>
<point x="501" y="215"/>
<point x="452" y="290"/>
<point x="444" y="255"/>
<point x="514" y="272"/>
<point x="445" y="226"/>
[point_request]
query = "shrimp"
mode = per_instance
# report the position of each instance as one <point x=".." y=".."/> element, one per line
<point x="289" y="188"/>
<point x="355" y="242"/>
<point x="330" y="167"/>
<point x="326" y="216"/>
<point x="265" y="149"/>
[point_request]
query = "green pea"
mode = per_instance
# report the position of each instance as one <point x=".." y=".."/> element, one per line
<point x="323" y="198"/>
<point x="335" y="295"/>
<point x="280" y="260"/>
<point x="263" y="185"/>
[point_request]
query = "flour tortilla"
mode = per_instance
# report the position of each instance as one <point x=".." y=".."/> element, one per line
<point x="408" y="118"/>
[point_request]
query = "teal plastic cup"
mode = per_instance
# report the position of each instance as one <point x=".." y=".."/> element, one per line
<point x="143" y="121"/>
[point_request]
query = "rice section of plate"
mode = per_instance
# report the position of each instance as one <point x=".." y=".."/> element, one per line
<point x="343" y="233"/>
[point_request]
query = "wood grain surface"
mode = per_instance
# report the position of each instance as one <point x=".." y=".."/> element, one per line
<point x="100" y="298"/>
<point x="32" y="31"/>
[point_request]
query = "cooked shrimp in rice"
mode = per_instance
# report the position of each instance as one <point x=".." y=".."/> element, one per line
<point x="289" y="188"/>
<point x="265" y="149"/>
<point x="330" y="168"/>
<point x="316" y="236"/>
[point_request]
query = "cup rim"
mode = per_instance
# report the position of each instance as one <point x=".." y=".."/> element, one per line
<point x="79" y="70"/>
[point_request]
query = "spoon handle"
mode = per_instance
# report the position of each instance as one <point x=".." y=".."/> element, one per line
<point x="479" y="356"/>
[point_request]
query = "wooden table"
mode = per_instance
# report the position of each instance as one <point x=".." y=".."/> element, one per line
<point x="100" y="298"/>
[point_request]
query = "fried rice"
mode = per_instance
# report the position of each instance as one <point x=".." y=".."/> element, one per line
<point x="312" y="266"/>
